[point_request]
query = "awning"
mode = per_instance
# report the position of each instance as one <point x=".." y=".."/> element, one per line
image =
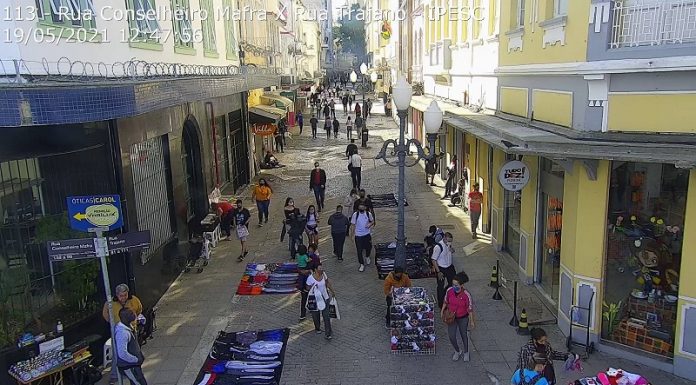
<point x="516" y="137"/>
<point x="276" y="100"/>
<point x="265" y="114"/>
<point x="421" y="103"/>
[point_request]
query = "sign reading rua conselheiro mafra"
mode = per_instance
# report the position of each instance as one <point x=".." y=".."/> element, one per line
<point x="514" y="175"/>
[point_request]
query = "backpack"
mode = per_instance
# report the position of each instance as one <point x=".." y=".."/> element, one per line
<point x="533" y="381"/>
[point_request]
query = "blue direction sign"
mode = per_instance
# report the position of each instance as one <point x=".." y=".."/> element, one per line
<point x="95" y="213"/>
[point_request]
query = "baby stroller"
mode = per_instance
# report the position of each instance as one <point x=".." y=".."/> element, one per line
<point x="199" y="253"/>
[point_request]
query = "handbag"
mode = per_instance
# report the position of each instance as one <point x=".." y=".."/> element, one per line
<point x="333" y="309"/>
<point x="312" y="300"/>
<point x="448" y="317"/>
<point x="242" y="231"/>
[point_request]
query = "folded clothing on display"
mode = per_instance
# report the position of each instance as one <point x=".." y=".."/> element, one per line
<point x="417" y="261"/>
<point x="269" y="278"/>
<point x="385" y="200"/>
<point x="247" y="357"/>
<point x="412" y="321"/>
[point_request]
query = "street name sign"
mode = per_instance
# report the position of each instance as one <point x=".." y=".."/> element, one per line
<point x="95" y="213"/>
<point x="70" y="249"/>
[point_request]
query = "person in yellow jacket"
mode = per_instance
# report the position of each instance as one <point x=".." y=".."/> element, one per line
<point x="123" y="299"/>
<point x="262" y="196"/>
<point x="396" y="278"/>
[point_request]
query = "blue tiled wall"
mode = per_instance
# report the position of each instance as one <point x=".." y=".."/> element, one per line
<point x="79" y="103"/>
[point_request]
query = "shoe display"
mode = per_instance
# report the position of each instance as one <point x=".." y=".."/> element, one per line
<point x="361" y="268"/>
<point x="455" y="356"/>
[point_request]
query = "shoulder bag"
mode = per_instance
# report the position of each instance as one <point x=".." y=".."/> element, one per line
<point x="312" y="299"/>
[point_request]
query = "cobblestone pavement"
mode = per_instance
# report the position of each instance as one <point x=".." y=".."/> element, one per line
<point x="197" y="306"/>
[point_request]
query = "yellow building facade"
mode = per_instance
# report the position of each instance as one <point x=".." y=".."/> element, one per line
<point x="586" y="161"/>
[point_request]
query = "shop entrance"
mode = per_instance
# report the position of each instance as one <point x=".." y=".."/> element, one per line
<point x="239" y="150"/>
<point x="513" y="211"/>
<point x="196" y="196"/>
<point x="548" y="254"/>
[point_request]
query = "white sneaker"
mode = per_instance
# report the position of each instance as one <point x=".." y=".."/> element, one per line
<point x="367" y="261"/>
<point x="465" y="357"/>
<point x="455" y="356"/>
<point x="361" y="268"/>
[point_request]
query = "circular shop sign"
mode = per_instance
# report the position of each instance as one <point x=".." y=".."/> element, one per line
<point x="514" y="175"/>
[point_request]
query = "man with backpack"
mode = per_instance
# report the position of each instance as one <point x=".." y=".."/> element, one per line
<point x="362" y="222"/>
<point x="443" y="266"/>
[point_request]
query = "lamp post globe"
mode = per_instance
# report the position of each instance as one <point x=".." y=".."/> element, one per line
<point x="432" y="117"/>
<point x="402" y="92"/>
<point x="353" y="77"/>
<point x="363" y="68"/>
<point x="373" y="77"/>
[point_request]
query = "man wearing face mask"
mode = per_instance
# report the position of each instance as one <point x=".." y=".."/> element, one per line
<point x="241" y="222"/>
<point x="362" y="222"/>
<point x="129" y="357"/>
<point x="443" y="265"/>
<point x="397" y="278"/>
<point x="317" y="183"/>
<point x="123" y="300"/>
<point x="364" y="200"/>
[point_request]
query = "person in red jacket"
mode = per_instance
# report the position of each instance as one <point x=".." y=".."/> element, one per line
<point x="317" y="183"/>
<point x="224" y="211"/>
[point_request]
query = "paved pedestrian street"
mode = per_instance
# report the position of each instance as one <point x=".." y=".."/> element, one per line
<point x="198" y="306"/>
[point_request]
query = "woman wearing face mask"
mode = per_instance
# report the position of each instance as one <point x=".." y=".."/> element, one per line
<point x="539" y="344"/>
<point x="458" y="301"/>
<point x="322" y="288"/>
<point x="262" y="196"/>
<point x="312" y="227"/>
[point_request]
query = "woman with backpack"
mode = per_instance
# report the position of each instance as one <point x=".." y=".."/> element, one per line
<point x="458" y="313"/>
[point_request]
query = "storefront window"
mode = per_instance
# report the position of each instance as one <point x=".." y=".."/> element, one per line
<point x="551" y="203"/>
<point x="513" y="212"/>
<point x="647" y="204"/>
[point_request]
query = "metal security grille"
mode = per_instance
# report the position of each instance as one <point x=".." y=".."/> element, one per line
<point x="653" y="22"/>
<point x="151" y="198"/>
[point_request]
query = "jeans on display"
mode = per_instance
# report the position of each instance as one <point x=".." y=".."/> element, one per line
<point x="363" y="243"/>
<point x="294" y="242"/>
<point x="462" y="324"/>
<point x="355" y="176"/>
<point x="134" y="375"/>
<point x="263" y="209"/>
<point x="475" y="216"/>
<point x="319" y="196"/>
<point x="339" y="239"/>
<point x="226" y="223"/>
<point x="389" y="303"/>
<point x="327" y="319"/>
<point x="444" y="284"/>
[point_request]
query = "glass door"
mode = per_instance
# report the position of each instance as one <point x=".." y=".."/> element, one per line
<point x="550" y="263"/>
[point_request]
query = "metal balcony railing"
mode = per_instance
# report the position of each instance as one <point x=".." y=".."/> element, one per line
<point x="653" y="22"/>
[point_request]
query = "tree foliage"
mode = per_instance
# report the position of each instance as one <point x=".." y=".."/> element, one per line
<point x="350" y="33"/>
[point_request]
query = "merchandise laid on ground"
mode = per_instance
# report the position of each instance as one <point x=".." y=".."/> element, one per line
<point x="417" y="261"/>
<point x="269" y="278"/>
<point x="246" y="357"/>
<point x="412" y="321"/>
<point x="385" y="200"/>
<point x="613" y="377"/>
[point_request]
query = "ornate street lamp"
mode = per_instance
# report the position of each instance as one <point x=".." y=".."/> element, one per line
<point x="363" y="72"/>
<point x="432" y="119"/>
<point x="353" y="77"/>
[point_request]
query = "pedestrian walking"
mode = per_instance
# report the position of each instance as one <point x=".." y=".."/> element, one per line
<point x="431" y="167"/>
<point x="362" y="222"/>
<point x="298" y="224"/>
<point x="288" y="211"/>
<point x="349" y="128"/>
<point x="320" y="285"/>
<point x="304" y="269"/>
<point x="351" y="149"/>
<point x="336" y="127"/>
<point x="326" y="111"/>
<point x="355" y="167"/>
<point x="299" y="118"/>
<point x="443" y="266"/>
<point x="225" y="212"/>
<point x="358" y="109"/>
<point x="351" y="98"/>
<point x="129" y="357"/>
<point x="327" y="127"/>
<point x="283" y="128"/>
<point x="533" y="372"/>
<point x="344" y="101"/>
<point x="317" y="184"/>
<point x="395" y="279"/>
<point x="364" y="135"/>
<point x="122" y="300"/>
<point x="339" y="227"/>
<point x="359" y="121"/>
<point x="368" y="111"/>
<point x="365" y="108"/>
<point x="539" y="343"/>
<point x="262" y="196"/>
<point x="475" y="199"/>
<point x="312" y="226"/>
<point x="241" y="223"/>
<point x="365" y="200"/>
<point x="314" y="122"/>
<point x="332" y="106"/>
<point x="451" y="175"/>
<point x="349" y="201"/>
<point x="278" y="139"/>
<point x="458" y="313"/>
<point x="435" y="235"/>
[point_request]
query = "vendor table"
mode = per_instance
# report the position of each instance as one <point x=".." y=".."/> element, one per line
<point x="211" y="229"/>
<point x="54" y="376"/>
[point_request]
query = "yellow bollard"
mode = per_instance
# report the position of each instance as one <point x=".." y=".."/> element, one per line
<point x="523" y="329"/>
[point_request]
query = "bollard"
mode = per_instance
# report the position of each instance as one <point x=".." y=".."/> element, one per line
<point x="523" y="329"/>
<point x="494" y="276"/>
<point x="514" y="322"/>
<point x="496" y="295"/>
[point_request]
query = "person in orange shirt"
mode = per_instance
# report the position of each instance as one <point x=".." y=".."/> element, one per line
<point x="475" y="200"/>
<point x="262" y="196"/>
<point x="396" y="278"/>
